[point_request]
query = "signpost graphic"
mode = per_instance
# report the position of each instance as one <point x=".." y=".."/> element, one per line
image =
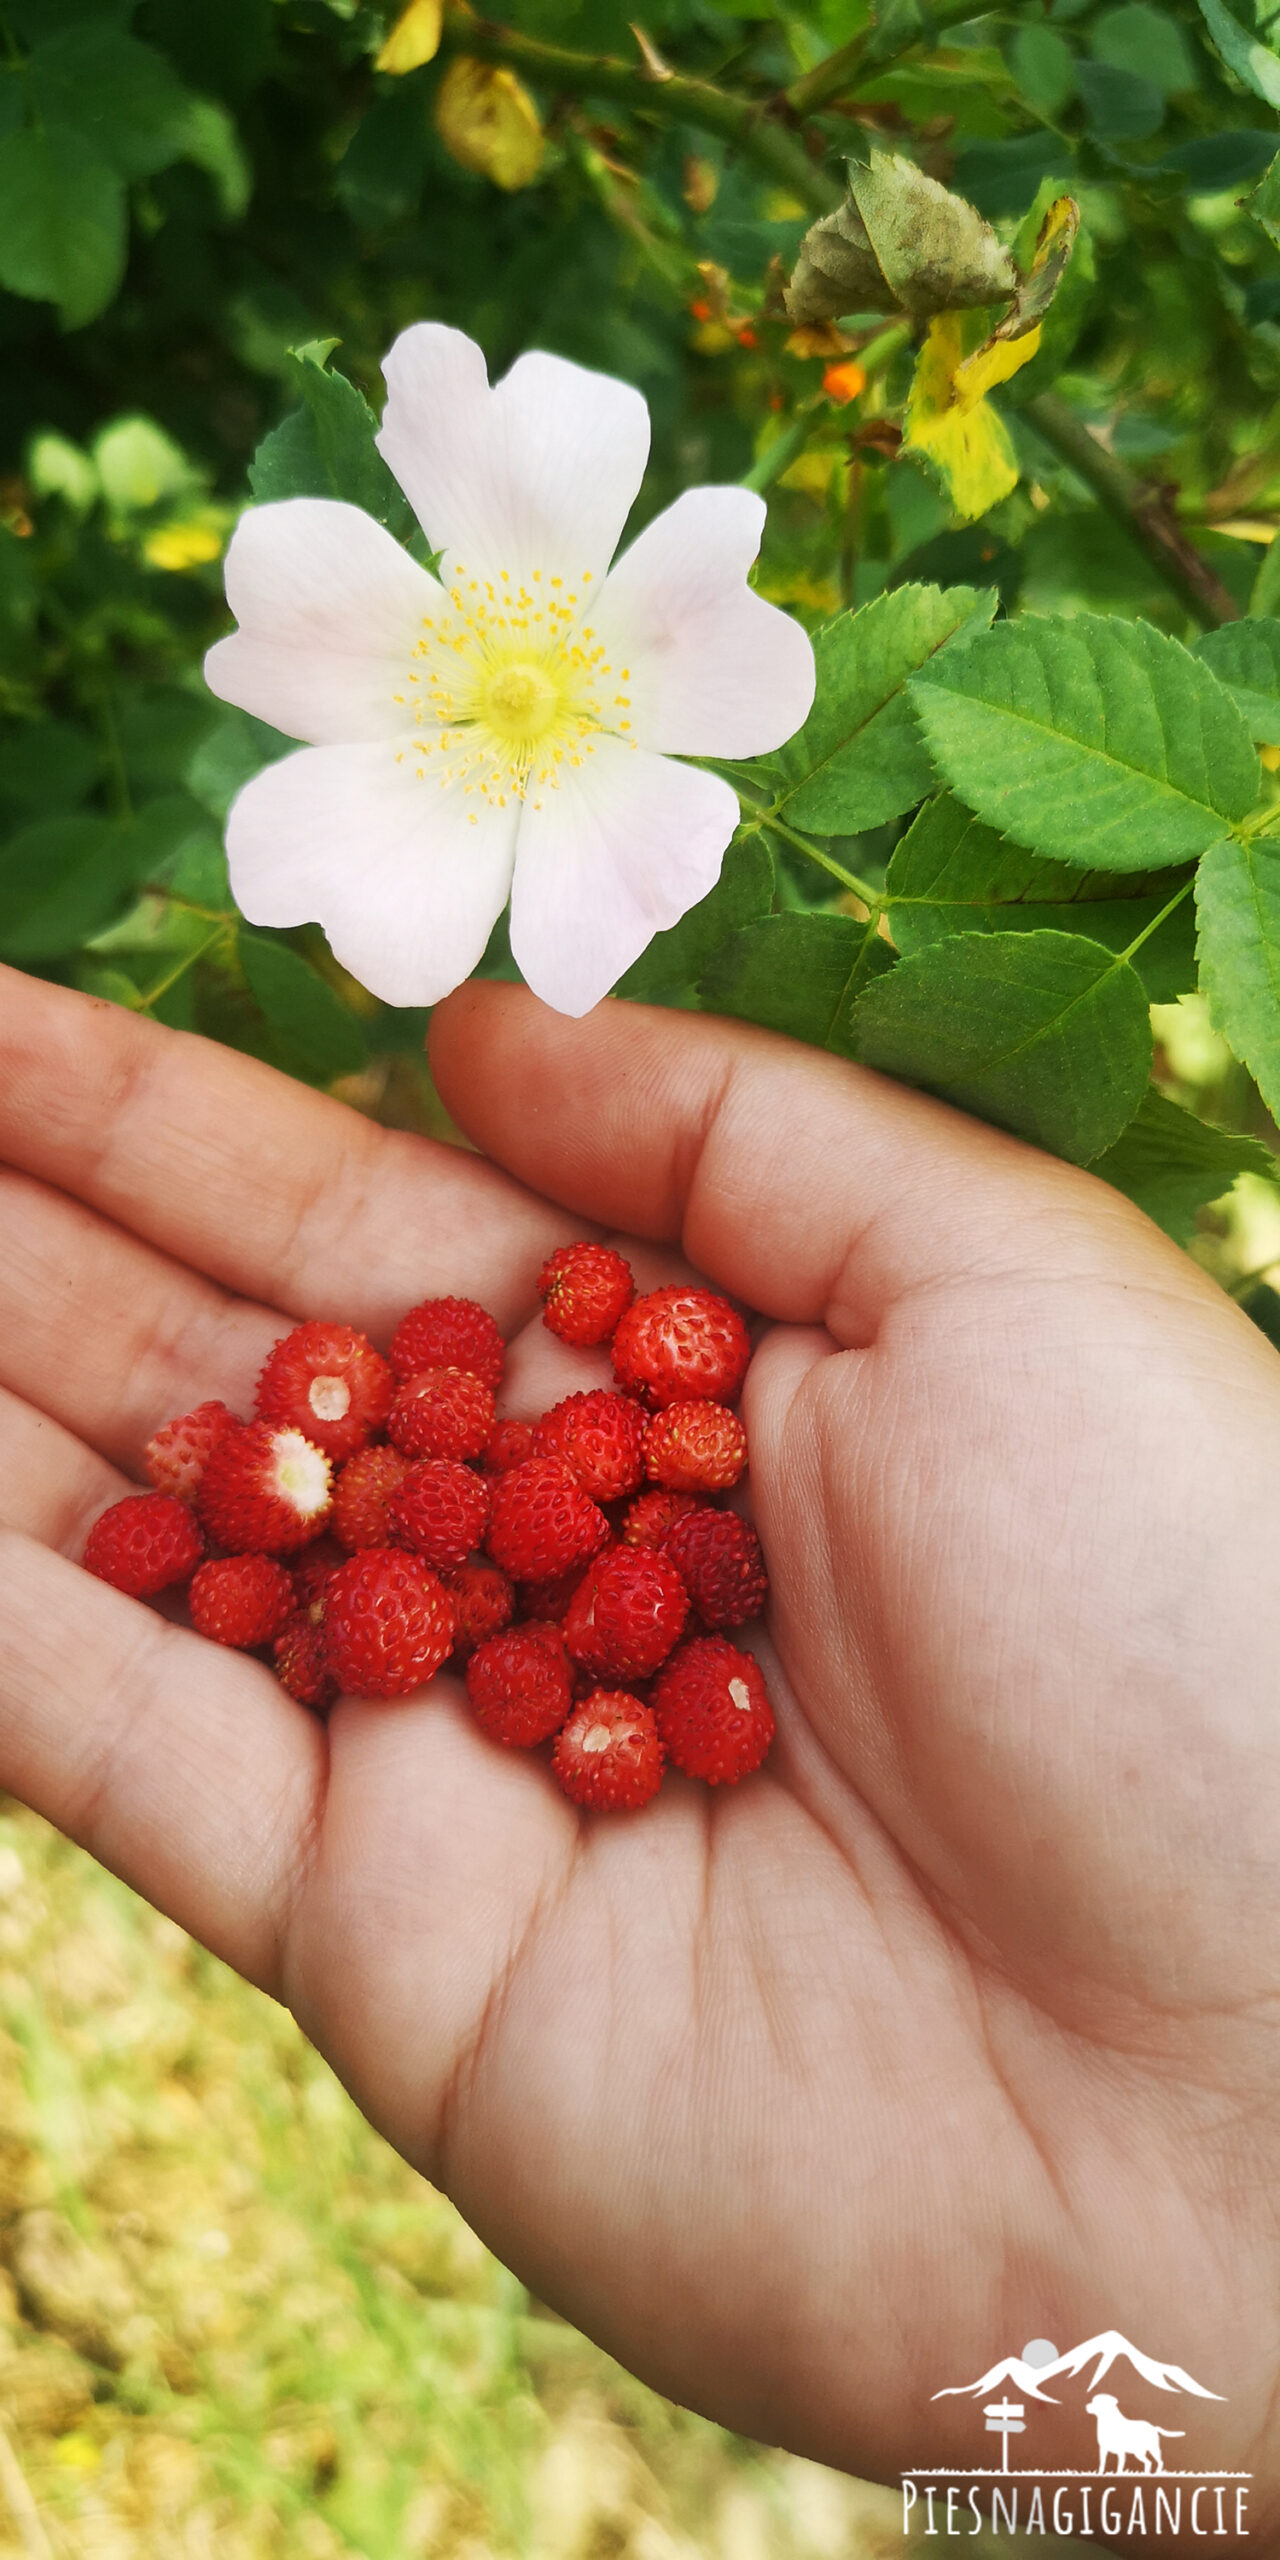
<point x="1005" y="2418"/>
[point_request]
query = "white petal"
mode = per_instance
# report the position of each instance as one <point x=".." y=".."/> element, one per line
<point x="712" y="669"/>
<point x="537" y="474"/>
<point x="329" y="609"/>
<point x="406" y="887"/>
<point x="612" y="856"/>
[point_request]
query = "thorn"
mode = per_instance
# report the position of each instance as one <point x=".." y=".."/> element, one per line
<point x="654" y="66"/>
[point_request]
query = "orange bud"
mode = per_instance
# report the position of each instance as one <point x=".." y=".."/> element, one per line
<point x="746" y="336"/>
<point x="843" y="382"/>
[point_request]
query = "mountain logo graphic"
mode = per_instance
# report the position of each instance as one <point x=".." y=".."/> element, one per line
<point x="1040" y="2363"/>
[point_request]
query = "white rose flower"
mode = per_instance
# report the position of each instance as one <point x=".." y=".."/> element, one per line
<point x="509" y="728"/>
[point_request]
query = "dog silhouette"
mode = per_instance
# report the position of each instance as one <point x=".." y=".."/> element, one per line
<point x="1119" y="2435"/>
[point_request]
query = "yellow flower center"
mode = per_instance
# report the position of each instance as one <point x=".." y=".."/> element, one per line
<point x="510" y="687"/>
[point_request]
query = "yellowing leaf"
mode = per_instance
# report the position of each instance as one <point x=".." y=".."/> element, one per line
<point x="414" y="39"/>
<point x="950" y="421"/>
<point x="487" y="121"/>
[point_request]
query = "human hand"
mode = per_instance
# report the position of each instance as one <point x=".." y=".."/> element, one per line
<point x="955" y="2026"/>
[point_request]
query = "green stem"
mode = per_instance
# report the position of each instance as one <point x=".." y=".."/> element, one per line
<point x="838" y="74"/>
<point x="188" y="961"/>
<point x="779" y="456"/>
<point x="1157" y="921"/>
<point x="1143" y="511"/>
<point x="678" y="100"/>
<point x="872" y="898"/>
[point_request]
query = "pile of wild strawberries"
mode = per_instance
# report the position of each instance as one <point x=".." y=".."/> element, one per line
<point x="566" y="1564"/>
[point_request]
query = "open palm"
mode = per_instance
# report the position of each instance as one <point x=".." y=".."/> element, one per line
<point x="958" y="2025"/>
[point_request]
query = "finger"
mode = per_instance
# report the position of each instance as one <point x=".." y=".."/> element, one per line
<point x="270" y="1188"/>
<point x="108" y="1336"/>
<point x="51" y="1486"/>
<point x="682" y="1127"/>
<point x="182" y="1767"/>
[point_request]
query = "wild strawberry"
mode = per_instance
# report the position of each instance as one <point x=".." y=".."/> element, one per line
<point x="609" y="1754"/>
<point x="328" y="1381"/>
<point x="600" y="1436"/>
<point x="241" y="1600"/>
<point x="713" y="1711"/>
<point x="695" y="1448"/>
<point x="587" y="1287"/>
<point x="548" y="1601"/>
<point x="628" y="1611"/>
<point x="175" y="1457"/>
<point x="360" y="1497"/>
<point x="718" y="1558"/>
<point x="518" y="1686"/>
<point x="484" y="1600"/>
<point x="143" y="1544"/>
<point x="302" y="1665"/>
<point x="441" y="1509"/>
<point x="653" y="1516"/>
<point x="508" y="1445"/>
<point x="388" y="1623"/>
<point x="264" y="1490"/>
<point x="442" y="1413"/>
<point x="312" y="1574"/>
<point x="448" y="1333"/>
<point x="542" y="1521"/>
<point x="681" y="1342"/>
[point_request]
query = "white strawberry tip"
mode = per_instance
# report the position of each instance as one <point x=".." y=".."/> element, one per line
<point x="329" y="1399"/>
<point x="302" y="1475"/>
<point x="596" y="1738"/>
<point x="741" y="1696"/>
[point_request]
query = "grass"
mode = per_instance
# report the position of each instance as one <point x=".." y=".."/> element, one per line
<point x="233" y="2325"/>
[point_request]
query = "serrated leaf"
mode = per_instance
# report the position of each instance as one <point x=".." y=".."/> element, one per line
<point x="1100" y="742"/>
<point x="743" y="892"/>
<point x="1245" y="35"/>
<point x="934" y="250"/>
<point x="62" y="221"/>
<point x="953" y="425"/>
<point x="311" y="1023"/>
<point x="1238" y="906"/>
<point x="1246" y="657"/>
<point x="1047" y="1034"/>
<point x="326" y="449"/>
<point x="1173" y="1165"/>
<point x="950" y="873"/>
<point x="121" y="95"/>
<point x="860" y="759"/>
<point x="801" y="974"/>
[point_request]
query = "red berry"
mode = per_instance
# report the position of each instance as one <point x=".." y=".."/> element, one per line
<point x="695" y="1448"/>
<point x="264" y="1490"/>
<point x="587" y="1287"/>
<point x="302" y="1665"/>
<point x="681" y="1342"/>
<point x="312" y="1574"/>
<point x="241" y="1600"/>
<point x="143" y="1544"/>
<point x="518" y="1685"/>
<point x="549" y="1600"/>
<point x="599" y="1435"/>
<point x="508" y="1445"/>
<point x="326" y="1380"/>
<point x="484" y="1600"/>
<point x="718" y="1558"/>
<point x="542" y="1521"/>
<point x="442" y="1413"/>
<point x="175" y="1458"/>
<point x="360" y="1497"/>
<point x="628" y="1611"/>
<point x="653" y="1516"/>
<point x="441" y="1509"/>
<point x="388" y="1623"/>
<point x="448" y="1333"/>
<point x="713" y="1711"/>
<point x="609" y="1754"/>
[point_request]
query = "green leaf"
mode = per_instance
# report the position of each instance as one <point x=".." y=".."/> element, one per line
<point x="62" y="222"/>
<point x="1238" y="905"/>
<point x="1147" y="42"/>
<point x="1244" y="35"/>
<point x="1100" y="742"/>
<point x="48" y="766"/>
<point x="311" y="1023"/>
<point x="950" y="873"/>
<point x="326" y="448"/>
<point x="1046" y="1034"/>
<point x="1265" y="598"/>
<point x="63" y="878"/>
<point x="1173" y="1165"/>
<point x="1264" y="205"/>
<point x="210" y="140"/>
<point x="122" y="96"/>
<point x="801" y="974"/>
<point x="743" y="891"/>
<point x="1246" y="658"/>
<point x="859" y="758"/>
<point x="1043" y="65"/>
<point x="237" y="747"/>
